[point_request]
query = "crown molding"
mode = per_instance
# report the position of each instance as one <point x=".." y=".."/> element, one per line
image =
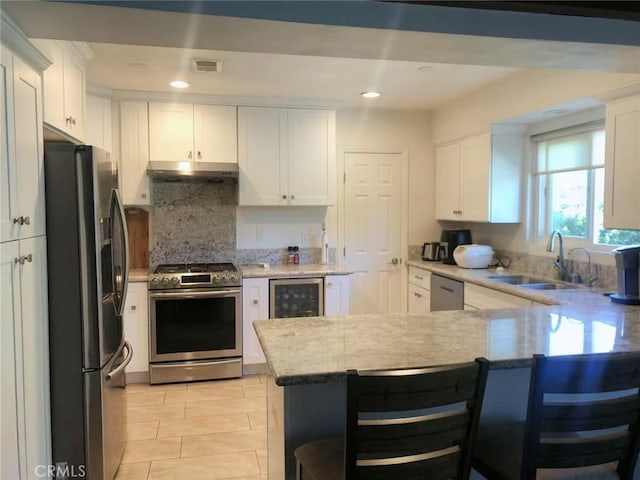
<point x="16" y="41"/>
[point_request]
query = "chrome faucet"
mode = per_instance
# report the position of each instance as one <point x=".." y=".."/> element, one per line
<point x="558" y="262"/>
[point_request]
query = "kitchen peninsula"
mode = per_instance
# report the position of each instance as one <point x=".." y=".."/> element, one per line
<point x="308" y="358"/>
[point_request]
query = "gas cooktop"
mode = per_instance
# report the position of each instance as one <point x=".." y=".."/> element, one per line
<point x="194" y="275"/>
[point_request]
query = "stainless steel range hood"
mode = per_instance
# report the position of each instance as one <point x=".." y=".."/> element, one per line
<point x="185" y="170"/>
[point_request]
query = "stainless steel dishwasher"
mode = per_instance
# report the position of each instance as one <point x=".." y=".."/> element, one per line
<point x="446" y="294"/>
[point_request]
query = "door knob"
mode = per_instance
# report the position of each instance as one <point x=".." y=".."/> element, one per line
<point x="394" y="261"/>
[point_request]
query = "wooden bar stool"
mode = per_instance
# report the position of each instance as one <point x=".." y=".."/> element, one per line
<point x="404" y="424"/>
<point x="583" y="422"/>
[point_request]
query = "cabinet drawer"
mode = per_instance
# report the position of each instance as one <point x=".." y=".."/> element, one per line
<point x="420" y="277"/>
<point x="485" y="298"/>
<point x="419" y="300"/>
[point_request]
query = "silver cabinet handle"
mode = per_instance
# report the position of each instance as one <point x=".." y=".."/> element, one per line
<point x="418" y="277"/>
<point x="293" y="197"/>
<point x="143" y="195"/>
<point x="133" y="307"/>
<point x="73" y="121"/>
<point x="22" y="220"/>
<point x="67" y="120"/>
<point x="199" y="155"/>
<point x="190" y="156"/>
<point x="447" y="289"/>
<point x="394" y="261"/>
<point x="330" y="284"/>
<point x="23" y="258"/>
<point x="284" y="197"/>
<point x="255" y="302"/>
<point x="417" y="295"/>
<point x="27" y="221"/>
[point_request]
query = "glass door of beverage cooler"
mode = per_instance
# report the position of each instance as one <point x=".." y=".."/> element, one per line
<point x="296" y="297"/>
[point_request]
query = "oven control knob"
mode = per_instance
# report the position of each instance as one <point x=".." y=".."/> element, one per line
<point x="155" y="282"/>
<point x="225" y="278"/>
<point x="215" y="278"/>
<point x="235" y="277"/>
<point x="175" y="281"/>
<point x="165" y="281"/>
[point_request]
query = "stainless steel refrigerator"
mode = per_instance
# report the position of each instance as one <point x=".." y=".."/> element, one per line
<point x="88" y="269"/>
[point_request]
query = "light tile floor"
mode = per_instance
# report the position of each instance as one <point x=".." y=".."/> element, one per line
<point x="205" y="430"/>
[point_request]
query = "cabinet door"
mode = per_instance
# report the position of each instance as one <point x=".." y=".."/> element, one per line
<point x="74" y="95"/>
<point x="448" y="181"/>
<point x="622" y="165"/>
<point x="134" y="153"/>
<point x="475" y="158"/>
<point x="311" y="155"/>
<point x="419" y="300"/>
<point x="11" y="444"/>
<point x="419" y="277"/>
<point x="98" y="125"/>
<point x="336" y="295"/>
<point x="255" y="306"/>
<point x="35" y="352"/>
<point x="170" y="132"/>
<point x="215" y="131"/>
<point x="29" y="150"/>
<point x="136" y="326"/>
<point x="262" y="154"/>
<point x="8" y="181"/>
<point x="53" y="81"/>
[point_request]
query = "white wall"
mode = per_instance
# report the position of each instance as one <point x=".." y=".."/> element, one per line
<point x="278" y="227"/>
<point x="518" y="94"/>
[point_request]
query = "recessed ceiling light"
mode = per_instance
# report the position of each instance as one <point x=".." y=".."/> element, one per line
<point x="179" y="84"/>
<point x="370" y="94"/>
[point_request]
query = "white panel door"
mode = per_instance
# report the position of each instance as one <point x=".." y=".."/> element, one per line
<point x="35" y="353"/>
<point x="262" y="156"/>
<point x="171" y="132"/>
<point x="134" y="156"/>
<point x="215" y="133"/>
<point x="475" y="158"/>
<point x="448" y="182"/>
<point x="373" y="231"/>
<point x="29" y="155"/>
<point x="255" y="306"/>
<point x="8" y="181"/>
<point x="312" y="173"/>
<point x="10" y="445"/>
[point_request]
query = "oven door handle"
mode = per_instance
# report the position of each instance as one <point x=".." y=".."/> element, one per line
<point x="182" y="295"/>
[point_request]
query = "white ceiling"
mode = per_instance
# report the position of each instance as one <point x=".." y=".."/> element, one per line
<point x="330" y="80"/>
<point x="319" y="62"/>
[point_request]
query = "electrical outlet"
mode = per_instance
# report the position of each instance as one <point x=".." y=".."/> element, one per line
<point x="259" y="233"/>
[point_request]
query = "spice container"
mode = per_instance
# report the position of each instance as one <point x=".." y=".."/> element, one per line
<point x="296" y="256"/>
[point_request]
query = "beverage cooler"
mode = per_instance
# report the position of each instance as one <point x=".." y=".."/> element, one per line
<point x="296" y="297"/>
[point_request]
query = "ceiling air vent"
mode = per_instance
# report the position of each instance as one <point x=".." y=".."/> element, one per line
<point x="206" y="66"/>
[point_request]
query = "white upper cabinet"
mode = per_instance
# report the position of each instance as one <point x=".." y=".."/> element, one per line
<point x="64" y="87"/>
<point x="286" y="156"/>
<point x="622" y="164"/>
<point x="181" y="132"/>
<point x="134" y="153"/>
<point x="98" y="127"/>
<point x="479" y="178"/>
<point x="21" y="171"/>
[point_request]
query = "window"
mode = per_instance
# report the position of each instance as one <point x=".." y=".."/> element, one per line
<point x="569" y="174"/>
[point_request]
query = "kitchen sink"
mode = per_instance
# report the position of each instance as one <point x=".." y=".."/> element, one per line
<point x="548" y="286"/>
<point x="517" y="279"/>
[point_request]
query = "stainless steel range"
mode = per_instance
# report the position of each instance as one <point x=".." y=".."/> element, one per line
<point x="195" y="319"/>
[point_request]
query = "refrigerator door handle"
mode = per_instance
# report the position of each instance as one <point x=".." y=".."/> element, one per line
<point x="124" y="363"/>
<point x="117" y="209"/>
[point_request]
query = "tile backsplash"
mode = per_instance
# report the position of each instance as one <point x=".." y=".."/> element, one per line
<point x="196" y="222"/>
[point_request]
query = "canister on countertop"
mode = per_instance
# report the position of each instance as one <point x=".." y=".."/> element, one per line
<point x="290" y="256"/>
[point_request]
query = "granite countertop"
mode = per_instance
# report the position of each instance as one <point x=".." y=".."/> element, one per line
<point x="321" y="349"/>
<point x="577" y="294"/>
<point x="274" y="271"/>
<point x="138" y="275"/>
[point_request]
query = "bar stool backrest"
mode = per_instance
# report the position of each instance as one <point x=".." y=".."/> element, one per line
<point x="413" y="423"/>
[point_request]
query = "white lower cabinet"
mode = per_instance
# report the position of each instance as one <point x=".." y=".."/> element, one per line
<point x="136" y="326"/>
<point x="482" y="298"/>
<point x="24" y="359"/>
<point x="336" y="295"/>
<point x="255" y="306"/>
<point x="418" y="289"/>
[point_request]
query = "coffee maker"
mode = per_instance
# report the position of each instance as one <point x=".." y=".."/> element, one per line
<point x="628" y="265"/>
<point x="450" y="239"/>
